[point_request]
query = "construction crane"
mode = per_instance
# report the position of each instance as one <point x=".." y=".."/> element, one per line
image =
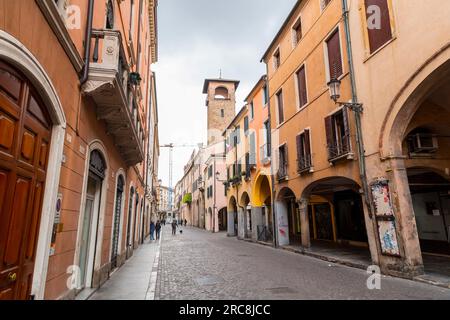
<point x="171" y="146"/>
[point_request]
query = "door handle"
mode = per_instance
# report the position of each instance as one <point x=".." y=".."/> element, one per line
<point x="12" y="277"/>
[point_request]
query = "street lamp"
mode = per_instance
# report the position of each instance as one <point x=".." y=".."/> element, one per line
<point x="334" y="87"/>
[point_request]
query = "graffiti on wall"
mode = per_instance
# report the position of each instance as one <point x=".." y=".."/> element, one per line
<point x="382" y="199"/>
<point x="384" y="212"/>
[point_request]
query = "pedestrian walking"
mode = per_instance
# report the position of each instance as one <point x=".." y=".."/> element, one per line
<point x="158" y="229"/>
<point x="185" y="222"/>
<point x="164" y="222"/>
<point x="152" y="231"/>
<point x="174" y="227"/>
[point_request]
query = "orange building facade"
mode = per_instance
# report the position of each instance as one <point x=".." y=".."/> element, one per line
<point x="79" y="142"/>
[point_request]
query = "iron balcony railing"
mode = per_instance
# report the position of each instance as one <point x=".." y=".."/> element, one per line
<point x="339" y="149"/>
<point x="304" y="163"/>
<point x="282" y="171"/>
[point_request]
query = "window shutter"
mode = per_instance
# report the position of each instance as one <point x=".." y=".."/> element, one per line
<point x="378" y="37"/>
<point x="252" y="149"/>
<point x="301" y="80"/>
<point x="299" y="148"/>
<point x="334" y="56"/>
<point x="307" y="144"/>
<point x="346" y="129"/>
<point x="329" y="133"/>
<point x="246" y="125"/>
<point x="280" y="107"/>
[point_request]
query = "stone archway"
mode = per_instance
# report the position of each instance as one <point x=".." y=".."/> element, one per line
<point x="232" y="221"/>
<point x="332" y="216"/>
<point x="288" y="218"/>
<point x="414" y="135"/>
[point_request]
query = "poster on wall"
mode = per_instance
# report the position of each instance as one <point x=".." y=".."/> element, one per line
<point x="388" y="237"/>
<point x="382" y="199"/>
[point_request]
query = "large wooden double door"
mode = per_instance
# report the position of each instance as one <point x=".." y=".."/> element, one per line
<point x="25" y="130"/>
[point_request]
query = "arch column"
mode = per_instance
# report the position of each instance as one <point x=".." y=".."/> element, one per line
<point x="405" y="218"/>
<point x="241" y="223"/>
<point x="230" y="223"/>
<point x="304" y="222"/>
<point x="282" y="223"/>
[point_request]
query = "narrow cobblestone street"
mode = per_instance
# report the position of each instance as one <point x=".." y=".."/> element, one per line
<point x="200" y="265"/>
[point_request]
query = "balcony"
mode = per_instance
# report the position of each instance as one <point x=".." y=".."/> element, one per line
<point x="304" y="164"/>
<point x="109" y="87"/>
<point x="282" y="174"/>
<point x="340" y="150"/>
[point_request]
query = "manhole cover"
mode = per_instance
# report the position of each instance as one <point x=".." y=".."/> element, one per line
<point x="281" y="290"/>
<point x="208" y="280"/>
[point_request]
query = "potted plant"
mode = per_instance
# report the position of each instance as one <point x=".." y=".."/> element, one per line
<point x="135" y="78"/>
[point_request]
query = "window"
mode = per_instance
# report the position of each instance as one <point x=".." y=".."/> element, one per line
<point x="132" y="20"/>
<point x="265" y="148"/>
<point x="222" y="113"/>
<point x="265" y="95"/>
<point x="324" y="3"/>
<point x="301" y="85"/>
<point x="252" y="149"/>
<point x="378" y="23"/>
<point x="280" y="107"/>
<point x="276" y="59"/>
<point x="246" y="126"/>
<point x="248" y="167"/>
<point x="297" y="32"/>
<point x="252" y="111"/>
<point x="334" y="56"/>
<point x="304" y="151"/>
<point x="110" y="15"/>
<point x="283" y="162"/>
<point x="338" y="134"/>
<point x="221" y="93"/>
<point x="210" y="171"/>
<point x="237" y="135"/>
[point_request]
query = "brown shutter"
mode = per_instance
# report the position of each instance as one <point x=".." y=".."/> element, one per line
<point x="301" y="79"/>
<point x="280" y="107"/>
<point x="307" y="145"/>
<point x="299" y="148"/>
<point x="347" y="130"/>
<point x="329" y="133"/>
<point x="334" y="55"/>
<point x="378" y="37"/>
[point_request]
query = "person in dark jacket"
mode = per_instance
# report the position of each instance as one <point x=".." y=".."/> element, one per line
<point x="158" y="229"/>
<point x="174" y="227"/>
<point x="152" y="231"/>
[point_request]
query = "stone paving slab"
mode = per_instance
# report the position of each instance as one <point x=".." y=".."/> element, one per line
<point x="133" y="280"/>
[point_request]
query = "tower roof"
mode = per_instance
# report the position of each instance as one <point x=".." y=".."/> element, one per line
<point x="207" y="81"/>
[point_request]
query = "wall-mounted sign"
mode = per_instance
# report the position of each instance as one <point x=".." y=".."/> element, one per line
<point x="56" y="224"/>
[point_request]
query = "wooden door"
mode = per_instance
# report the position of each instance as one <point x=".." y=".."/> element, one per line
<point x="25" y="130"/>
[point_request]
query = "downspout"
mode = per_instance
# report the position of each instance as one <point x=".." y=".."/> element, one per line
<point x="87" y="42"/>
<point x="272" y="176"/>
<point x="359" y="132"/>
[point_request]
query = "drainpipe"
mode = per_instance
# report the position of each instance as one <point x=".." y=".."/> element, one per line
<point x="272" y="177"/>
<point x="87" y="42"/>
<point x="359" y="132"/>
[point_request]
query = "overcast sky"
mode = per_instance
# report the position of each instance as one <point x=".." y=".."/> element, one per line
<point x="197" y="38"/>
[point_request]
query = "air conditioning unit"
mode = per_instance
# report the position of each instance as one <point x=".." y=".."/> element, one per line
<point x="424" y="143"/>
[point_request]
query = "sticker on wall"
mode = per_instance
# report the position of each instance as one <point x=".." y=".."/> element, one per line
<point x="388" y="237"/>
<point x="382" y="199"/>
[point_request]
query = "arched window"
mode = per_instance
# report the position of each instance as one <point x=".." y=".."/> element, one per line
<point x="97" y="164"/>
<point x="221" y="93"/>
<point x="110" y="15"/>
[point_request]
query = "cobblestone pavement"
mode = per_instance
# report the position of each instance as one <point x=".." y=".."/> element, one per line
<point x="198" y="265"/>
